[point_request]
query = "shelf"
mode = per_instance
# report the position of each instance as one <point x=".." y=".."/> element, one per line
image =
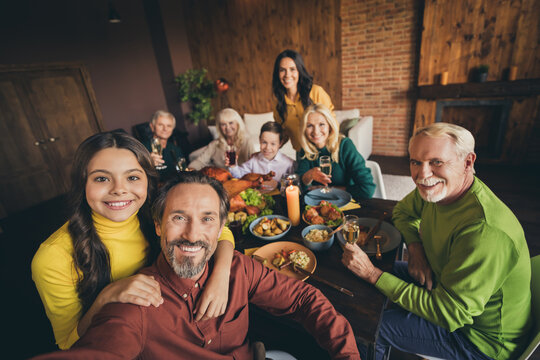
<point x="528" y="87"/>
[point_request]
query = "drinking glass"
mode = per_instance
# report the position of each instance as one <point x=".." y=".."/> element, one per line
<point x="325" y="164"/>
<point x="351" y="229"/>
<point x="287" y="180"/>
<point x="157" y="149"/>
<point x="180" y="164"/>
<point x="231" y="155"/>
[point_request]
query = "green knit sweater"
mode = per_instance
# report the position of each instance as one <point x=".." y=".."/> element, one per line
<point x="481" y="265"/>
<point x="351" y="171"/>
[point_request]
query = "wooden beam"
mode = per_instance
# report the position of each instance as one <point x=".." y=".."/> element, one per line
<point x="527" y="87"/>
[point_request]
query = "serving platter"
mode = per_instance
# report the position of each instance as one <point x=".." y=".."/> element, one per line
<point x="268" y="251"/>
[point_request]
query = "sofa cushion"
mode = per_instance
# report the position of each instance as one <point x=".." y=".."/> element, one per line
<point x="254" y="122"/>
<point x="347" y="125"/>
<point x="346" y="114"/>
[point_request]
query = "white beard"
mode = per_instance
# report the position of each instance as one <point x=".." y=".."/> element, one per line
<point x="433" y="196"/>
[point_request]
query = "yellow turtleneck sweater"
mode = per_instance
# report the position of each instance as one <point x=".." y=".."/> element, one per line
<point x="56" y="278"/>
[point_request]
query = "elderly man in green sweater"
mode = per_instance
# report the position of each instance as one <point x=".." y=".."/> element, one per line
<point x="465" y="292"/>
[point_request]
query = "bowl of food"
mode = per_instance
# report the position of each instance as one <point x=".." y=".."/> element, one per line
<point x="316" y="238"/>
<point x="325" y="213"/>
<point x="270" y="227"/>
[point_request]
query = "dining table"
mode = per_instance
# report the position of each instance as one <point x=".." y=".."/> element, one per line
<point x="364" y="309"/>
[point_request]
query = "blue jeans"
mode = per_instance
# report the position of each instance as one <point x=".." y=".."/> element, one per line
<point x="410" y="333"/>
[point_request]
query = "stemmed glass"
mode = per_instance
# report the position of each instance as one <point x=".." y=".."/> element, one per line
<point x="180" y="164"/>
<point x="325" y="163"/>
<point x="351" y="229"/>
<point x="157" y="149"/>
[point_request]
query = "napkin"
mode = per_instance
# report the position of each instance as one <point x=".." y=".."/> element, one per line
<point x="350" y="206"/>
<point x="249" y="252"/>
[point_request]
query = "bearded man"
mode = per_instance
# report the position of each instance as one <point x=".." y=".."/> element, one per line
<point x="189" y="214"/>
<point x="465" y="292"/>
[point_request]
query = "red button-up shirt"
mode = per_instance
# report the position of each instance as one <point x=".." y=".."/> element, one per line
<point x="127" y="331"/>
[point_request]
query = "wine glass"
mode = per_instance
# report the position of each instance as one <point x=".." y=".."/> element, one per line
<point x="351" y="229"/>
<point x="325" y="164"/>
<point x="180" y="164"/>
<point x="231" y="154"/>
<point x="157" y="149"/>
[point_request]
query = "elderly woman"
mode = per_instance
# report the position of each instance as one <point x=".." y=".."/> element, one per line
<point x="321" y="137"/>
<point x="232" y="132"/>
<point x="294" y="91"/>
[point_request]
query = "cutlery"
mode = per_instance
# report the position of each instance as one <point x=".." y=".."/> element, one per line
<point x="375" y="229"/>
<point x="378" y="254"/>
<point x="322" y="280"/>
<point x="335" y="231"/>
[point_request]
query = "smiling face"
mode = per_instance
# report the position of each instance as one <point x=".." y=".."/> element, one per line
<point x="190" y="227"/>
<point x="229" y="128"/>
<point x="317" y="129"/>
<point x="288" y="74"/>
<point x="269" y="144"/>
<point x="163" y="127"/>
<point x="116" y="184"/>
<point x="440" y="175"/>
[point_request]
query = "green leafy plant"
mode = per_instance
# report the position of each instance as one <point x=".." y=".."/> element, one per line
<point x="193" y="86"/>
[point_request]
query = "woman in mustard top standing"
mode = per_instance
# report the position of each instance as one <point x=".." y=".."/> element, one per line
<point x="90" y="260"/>
<point x="294" y="91"/>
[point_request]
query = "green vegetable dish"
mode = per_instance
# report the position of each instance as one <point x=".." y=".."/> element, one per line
<point x="252" y="197"/>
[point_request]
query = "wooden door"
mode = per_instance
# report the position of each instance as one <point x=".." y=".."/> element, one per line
<point x="45" y="113"/>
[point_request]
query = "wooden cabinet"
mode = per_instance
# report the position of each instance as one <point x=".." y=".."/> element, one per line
<point x="46" y="111"/>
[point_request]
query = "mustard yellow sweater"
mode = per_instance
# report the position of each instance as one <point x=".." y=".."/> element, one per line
<point x="56" y="277"/>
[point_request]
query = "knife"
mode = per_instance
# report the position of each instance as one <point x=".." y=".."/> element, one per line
<point x="324" y="281"/>
<point x="374" y="229"/>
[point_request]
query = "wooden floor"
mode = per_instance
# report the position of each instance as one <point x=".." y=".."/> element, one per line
<point x="27" y="331"/>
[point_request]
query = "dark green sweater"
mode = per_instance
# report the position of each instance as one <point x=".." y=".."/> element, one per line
<point x="351" y="171"/>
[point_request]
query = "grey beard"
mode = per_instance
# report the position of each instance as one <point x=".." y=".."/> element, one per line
<point x="187" y="268"/>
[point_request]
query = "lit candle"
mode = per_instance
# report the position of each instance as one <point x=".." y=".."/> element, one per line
<point x="293" y="204"/>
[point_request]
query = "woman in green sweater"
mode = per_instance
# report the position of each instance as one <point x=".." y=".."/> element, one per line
<point x="320" y="137"/>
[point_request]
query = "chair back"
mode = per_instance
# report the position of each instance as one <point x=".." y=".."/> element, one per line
<point x="535" y="305"/>
<point x="380" y="191"/>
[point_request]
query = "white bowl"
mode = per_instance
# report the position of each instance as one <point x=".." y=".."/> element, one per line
<point x="269" y="217"/>
<point x="317" y="246"/>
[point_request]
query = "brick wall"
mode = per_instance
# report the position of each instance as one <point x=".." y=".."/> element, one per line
<point x="379" y="56"/>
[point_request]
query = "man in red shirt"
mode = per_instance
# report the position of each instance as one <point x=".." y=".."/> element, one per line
<point x="189" y="214"/>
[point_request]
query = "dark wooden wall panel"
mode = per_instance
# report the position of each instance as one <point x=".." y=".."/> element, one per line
<point x="240" y="39"/>
<point x="460" y="35"/>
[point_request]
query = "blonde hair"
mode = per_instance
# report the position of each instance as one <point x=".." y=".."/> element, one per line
<point x="163" y="113"/>
<point x="231" y="114"/>
<point x="461" y="137"/>
<point x="334" y="137"/>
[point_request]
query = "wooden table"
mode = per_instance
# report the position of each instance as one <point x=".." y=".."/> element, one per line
<point x="364" y="310"/>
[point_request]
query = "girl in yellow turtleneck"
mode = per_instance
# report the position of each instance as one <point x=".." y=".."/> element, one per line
<point x="90" y="261"/>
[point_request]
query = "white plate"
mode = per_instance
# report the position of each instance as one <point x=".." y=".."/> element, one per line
<point x="391" y="236"/>
<point x="336" y="196"/>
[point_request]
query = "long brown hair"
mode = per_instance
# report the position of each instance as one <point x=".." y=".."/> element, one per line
<point x="90" y="255"/>
<point x="305" y="82"/>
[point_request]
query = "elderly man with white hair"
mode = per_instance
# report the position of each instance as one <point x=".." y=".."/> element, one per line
<point x="465" y="292"/>
<point x="162" y="125"/>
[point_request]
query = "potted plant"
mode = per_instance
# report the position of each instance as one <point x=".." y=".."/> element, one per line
<point x="482" y="72"/>
<point x="193" y="86"/>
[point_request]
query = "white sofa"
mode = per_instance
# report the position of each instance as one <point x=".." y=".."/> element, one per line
<point x="361" y="133"/>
